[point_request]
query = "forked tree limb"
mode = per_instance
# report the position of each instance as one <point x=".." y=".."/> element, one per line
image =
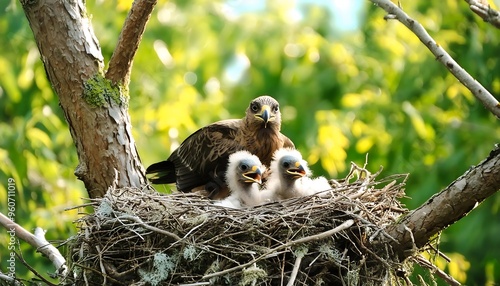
<point x="448" y="206"/>
<point x="483" y="10"/>
<point x="120" y="64"/>
<point x="95" y="109"/>
<point x="483" y="95"/>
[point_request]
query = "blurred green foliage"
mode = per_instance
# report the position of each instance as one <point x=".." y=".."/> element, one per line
<point x="344" y="93"/>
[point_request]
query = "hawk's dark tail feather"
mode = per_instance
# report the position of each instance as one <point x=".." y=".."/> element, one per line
<point x="162" y="172"/>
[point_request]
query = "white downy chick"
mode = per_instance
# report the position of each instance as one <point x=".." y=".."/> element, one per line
<point x="286" y="168"/>
<point x="291" y="177"/>
<point x="243" y="176"/>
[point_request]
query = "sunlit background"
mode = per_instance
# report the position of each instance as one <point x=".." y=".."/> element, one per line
<point x="349" y="83"/>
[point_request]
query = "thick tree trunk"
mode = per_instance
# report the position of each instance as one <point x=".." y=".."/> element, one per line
<point x="95" y="108"/>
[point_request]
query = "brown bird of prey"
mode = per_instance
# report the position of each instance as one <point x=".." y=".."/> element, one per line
<point x="243" y="176"/>
<point x="291" y="177"/>
<point x="201" y="160"/>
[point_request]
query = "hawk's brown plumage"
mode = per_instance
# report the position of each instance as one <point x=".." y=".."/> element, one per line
<point x="201" y="160"/>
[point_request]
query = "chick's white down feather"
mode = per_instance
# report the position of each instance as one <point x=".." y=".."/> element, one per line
<point x="244" y="190"/>
<point x="316" y="185"/>
<point x="291" y="177"/>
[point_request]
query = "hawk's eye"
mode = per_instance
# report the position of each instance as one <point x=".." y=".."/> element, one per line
<point x="286" y="164"/>
<point x="244" y="167"/>
<point x="254" y="107"/>
<point x="276" y="108"/>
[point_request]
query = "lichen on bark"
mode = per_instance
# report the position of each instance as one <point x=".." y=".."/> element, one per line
<point x="98" y="91"/>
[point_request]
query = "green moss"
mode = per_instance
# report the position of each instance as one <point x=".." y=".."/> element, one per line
<point x="98" y="91"/>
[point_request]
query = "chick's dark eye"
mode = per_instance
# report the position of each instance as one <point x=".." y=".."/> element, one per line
<point x="286" y="164"/>
<point x="254" y="107"/>
<point x="276" y="108"/>
<point x="244" y="167"/>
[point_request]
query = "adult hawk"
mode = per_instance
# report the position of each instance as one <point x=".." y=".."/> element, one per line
<point x="201" y="160"/>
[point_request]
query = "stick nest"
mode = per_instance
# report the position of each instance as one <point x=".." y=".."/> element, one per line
<point x="142" y="237"/>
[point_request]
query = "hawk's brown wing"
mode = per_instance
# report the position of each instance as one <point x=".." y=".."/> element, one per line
<point x="201" y="159"/>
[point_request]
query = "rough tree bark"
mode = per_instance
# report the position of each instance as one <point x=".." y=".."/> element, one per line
<point x="448" y="206"/>
<point x="95" y="106"/>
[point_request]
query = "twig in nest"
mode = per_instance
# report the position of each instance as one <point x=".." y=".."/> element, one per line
<point x="318" y="236"/>
<point x="150" y="227"/>
<point x="295" y="270"/>
<point x="101" y="265"/>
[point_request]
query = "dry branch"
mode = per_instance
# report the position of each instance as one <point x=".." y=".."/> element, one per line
<point x="38" y="241"/>
<point x="483" y="95"/>
<point x="448" y="206"/>
<point x="420" y="260"/>
<point x="483" y="10"/>
<point x="9" y="280"/>
<point x="120" y="64"/>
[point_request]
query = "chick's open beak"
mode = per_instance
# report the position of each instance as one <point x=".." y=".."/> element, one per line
<point x="254" y="175"/>
<point x="296" y="170"/>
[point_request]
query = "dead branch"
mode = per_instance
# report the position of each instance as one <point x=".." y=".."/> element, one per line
<point x="483" y="95"/>
<point x="38" y="241"/>
<point x="9" y="280"/>
<point x="483" y="10"/>
<point x="152" y="228"/>
<point x="420" y="260"/>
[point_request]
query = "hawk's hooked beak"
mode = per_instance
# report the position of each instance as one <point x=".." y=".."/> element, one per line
<point x="265" y="114"/>
<point x="254" y="175"/>
<point x="297" y="170"/>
